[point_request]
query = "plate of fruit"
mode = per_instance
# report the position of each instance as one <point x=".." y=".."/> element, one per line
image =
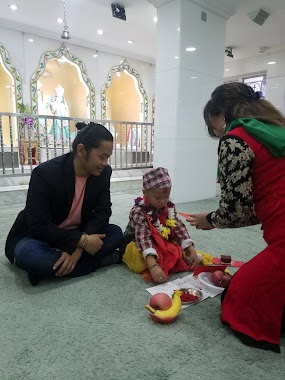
<point x="215" y="282"/>
<point x="164" y="309"/>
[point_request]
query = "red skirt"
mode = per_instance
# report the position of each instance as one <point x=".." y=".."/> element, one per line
<point x="254" y="302"/>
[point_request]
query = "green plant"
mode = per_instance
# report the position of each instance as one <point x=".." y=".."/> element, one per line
<point x="24" y="108"/>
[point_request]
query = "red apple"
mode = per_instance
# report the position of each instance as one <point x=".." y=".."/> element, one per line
<point x="217" y="277"/>
<point x="220" y="278"/>
<point x="161" y="301"/>
<point x="226" y="279"/>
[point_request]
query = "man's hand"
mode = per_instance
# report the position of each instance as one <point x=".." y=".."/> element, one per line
<point x="66" y="263"/>
<point x="94" y="243"/>
<point x="191" y="257"/>
<point x="200" y="221"/>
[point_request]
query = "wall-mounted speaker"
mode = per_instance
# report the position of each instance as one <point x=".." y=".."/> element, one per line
<point x="118" y="11"/>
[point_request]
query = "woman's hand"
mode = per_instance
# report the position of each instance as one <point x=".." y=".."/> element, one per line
<point x="191" y="257"/>
<point x="200" y="221"/>
<point x="66" y="263"/>
<point x="157" y="274"/>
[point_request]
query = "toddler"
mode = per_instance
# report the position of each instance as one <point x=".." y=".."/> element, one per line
<point x="155" y="240"/>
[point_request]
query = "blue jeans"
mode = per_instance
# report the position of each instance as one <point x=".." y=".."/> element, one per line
<point x="38" y="258"/>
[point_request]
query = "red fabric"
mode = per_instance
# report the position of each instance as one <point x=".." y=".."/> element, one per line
<point x="255" y="300"/>
<point x="169" y="254"/>
<point x="147" y="276"/>
<point x="209" y="268"/>
<point x="234" y="263"/>
<point x="183" y="214"/>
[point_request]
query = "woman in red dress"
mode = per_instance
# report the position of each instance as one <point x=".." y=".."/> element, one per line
<point x="252" y="180"/>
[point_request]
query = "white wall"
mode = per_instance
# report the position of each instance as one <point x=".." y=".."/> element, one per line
<point x="275" y="83"/>
<point x="184" y="82"/>
<point x="25" y="56"/>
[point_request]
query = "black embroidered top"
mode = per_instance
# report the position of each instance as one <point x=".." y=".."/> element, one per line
<point x="236" y="207"/>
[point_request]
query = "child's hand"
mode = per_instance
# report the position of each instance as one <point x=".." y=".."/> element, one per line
<point x="157" y="274"/>
<point x="191" y="257"/>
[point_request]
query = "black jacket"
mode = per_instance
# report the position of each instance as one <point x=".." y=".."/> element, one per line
<point x="49" y="200"/>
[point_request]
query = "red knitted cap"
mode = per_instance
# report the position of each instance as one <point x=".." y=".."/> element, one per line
<point x="157" y="179"/>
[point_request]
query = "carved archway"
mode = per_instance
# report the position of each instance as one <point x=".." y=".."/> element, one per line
<point x="14" y="72"/>
<point x="61" y="52"/>
<point x="124" y="66"/>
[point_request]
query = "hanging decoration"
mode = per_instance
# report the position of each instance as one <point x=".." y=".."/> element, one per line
<point x="65" y="34"/>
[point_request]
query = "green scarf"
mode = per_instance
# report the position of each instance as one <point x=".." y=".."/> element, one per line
<point x="270" y="135"/>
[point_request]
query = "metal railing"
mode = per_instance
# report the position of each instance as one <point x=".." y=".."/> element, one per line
<point x="26" y="140"/>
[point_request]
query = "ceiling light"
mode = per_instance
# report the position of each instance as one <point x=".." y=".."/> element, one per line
<point x="190" y="49"/>
<point x="176" y="57"/>
<point x="95" y="55"/>
<point x="30" y="40"/>
<point x="155" y="19"/>
<point x="130" y="42"/>
<point x="100" y="31"/>
<point x="227" y="69"/>
<point x="271" y="63"/>
<point x="193" y="77"/>
<point x="59" y="20"/>
<point x="13" y="7"/>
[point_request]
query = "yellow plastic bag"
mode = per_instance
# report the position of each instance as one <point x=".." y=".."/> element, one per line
<point x="134" y="259"/>
<point x="207" y="259"/>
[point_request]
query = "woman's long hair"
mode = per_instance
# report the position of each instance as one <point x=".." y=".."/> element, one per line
<point x="237" y="100"/>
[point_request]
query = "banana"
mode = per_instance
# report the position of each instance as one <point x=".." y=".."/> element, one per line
<point x="172" y="311"/>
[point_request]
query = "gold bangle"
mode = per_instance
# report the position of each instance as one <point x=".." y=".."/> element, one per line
<point x="154" y="265"/>
<point x="85" y="241"/>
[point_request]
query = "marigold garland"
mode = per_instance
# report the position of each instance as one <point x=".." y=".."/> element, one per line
<point x="164" y="231"/>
